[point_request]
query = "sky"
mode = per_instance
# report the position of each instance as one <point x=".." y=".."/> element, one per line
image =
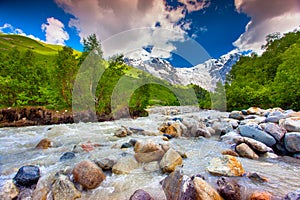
<point x="185" y="32"/>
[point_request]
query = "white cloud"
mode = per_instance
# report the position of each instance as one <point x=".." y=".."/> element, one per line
<point x="55" y="33"/>
<point x="109" y="17"/>
<point x="10" y="29"/>
<point x="267" y="17"/>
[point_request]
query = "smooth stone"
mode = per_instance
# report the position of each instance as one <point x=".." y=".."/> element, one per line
<point x="132" y="142"/>
<point x="67" y="156"/>
<point x="292" y="124"/>
<point x="43" y="187"/>
<point x="292" y="142"/>
<point x="204" y="191"/>
<point x="254" y="110"/>
<point x="9" y="191"/>
<point x="249" y="131"/>
<point x="230" y="152"/>
<point x="274" y="130"/>
<point x="276" y="118"/>
<point x="126" y="145"/>
<point x="136" y="130"/>
<point x="225" y="166"/>
<point x="293" y="195"/>
<point x="260" y="196"/>
<point x="44" y="144"/>
<point x="170" y="161"/>
<point x="236" y="115"/>
<point x="125" y="165"/>
<point x="222" y="127"/>
<point x="151" y="166"/>
<point x="245" y="151"/>
<point x="229" y="189"/>
<point x="146" y="146"/>
<point x="294" y="114"/>
<point x="244" y="112"/>
<point x="88" y="174"/>
<point x="177" y="119"/>
<point x="168" y="136"/>
<point x="123" y="132"/>
<point x="27" y="176"/>
<point x="149" y="156"/>
<point x="105" y="164"/>
<point x="140" y="195"/>
<point x="64" y="189"/>
<point x="174" y="130"/>
<point x="257" y="178"/>
<point x="255" y="145"/>
<point x="269" y="155"/>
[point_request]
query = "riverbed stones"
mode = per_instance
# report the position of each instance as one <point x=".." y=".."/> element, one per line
<point x="105" y="163"/>
<point x="245" y="151"/>
<point x="260" y="195"/>
<point x="229" y="189"/>
<point x="9" y="191"/>
<point x="170" y="161"/>
<point x="276" y="131"/>
<point x="148" y="151"/>
<point x="254" y="144"/>
<point x="293" y="195"/>
<point x="291" y="124"/>
<point x="174" y="130"/>
<point x="225" y="166"/>
<point x="64" y="189"/>
<point x="123" y="132"/>
<point x="292" y="142"/>
<point x="27" y="176"/>
<point x="140" y="195"/>
<point x="44" y="144"/>
<point x="204" y="191"/>
<point x="151" y="166"/>
<point x="43" y="187"/>
<point x="252" y="132"/>
<point x="230" y="152"/>
<point x="236" y="115"/>
<point x="88" y="174"/>
<point x="125" y="165"/>
<point x="67" y="156"/>
<point x="146" y="146"/>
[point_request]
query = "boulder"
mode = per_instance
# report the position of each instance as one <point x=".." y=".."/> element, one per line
<point x="44" y="144"/>
<point x="27" y="176"/>
<point x="254" y="110"/>
<point x="105" y="164"/>
<point x="9" y="191"/>
<point x="170" y="161"/>
<point x="125" y="165"/>
<point x="67" y="156"/>
<point x="292" y="142"/>
<point x="64" y="189"/>
<point x="229" y="189"/>
<point x="225" y="166"/>
<point x="292" y="124"/>
<point x="254" y="144"/>
<point x="174" y="130"/>
<point x="245" y="151"/>
<point x="276" y="131"/>
<point x="43" y="187"/>
<point x="88" y="174"/>
<point x="260" y="196"/>
<point x="249" y="131"/>
<point x="145" y="147"/>
<point x="293" y="195"/>
<point x="204" y="191"/>
<point x="149" y="156"/>
<point x="140" y="195"/>
<point x="236" y="115"/>
<point x="151" y="166"/>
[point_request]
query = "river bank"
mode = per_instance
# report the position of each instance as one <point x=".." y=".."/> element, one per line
<point x="175" y="147"/>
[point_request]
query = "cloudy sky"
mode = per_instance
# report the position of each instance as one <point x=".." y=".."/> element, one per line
<point x="166" y="28"/>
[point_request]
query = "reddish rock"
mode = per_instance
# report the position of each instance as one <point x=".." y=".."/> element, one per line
<point x="44" y="144"/>
<point x="88" y="174"/>
<point x="260" y="196"/>
<point x="229" y="189"/>
<point x="204" y="191"/>
<point x="245" y="151"/>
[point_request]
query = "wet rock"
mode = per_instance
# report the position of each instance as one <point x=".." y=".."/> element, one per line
<point x="204" y="191"/>
<point x="145" y="147"/>
<point x="225" y="166"/>
<point x="88" y="174"/>
<point x="254" y="110"/>
<point x="245" y="151"/>
<point x="141" y="195"/>
<point x="136" y="130"/>
<point x="260" y="196"/>
<point x="174" y="130"/>
<point x="254" y="144"/>
<point x="64" y="189"/>
<point x="125" y="165"/>
<point x="44" y="144"/>
<point x="67" y="156"/>
<point x="294" y="114"/>
<point x="229" y="189"/>
<point x="249" y="131"/>
<point x="275" y="118"/>
<point x="178" y="186"/>
<point x="123" y="132"/>
<point x="231" y="137"/>
<point x="293" y="195"/>
<point x="105" y="164"/>
<point x="126" y="145"/>
<point x="9" y="191"/>
<point x="43" y="187"/>
<point x="170" y="161"/>
<point x="168" y="136"/>
<point x="291" y="124"/>
<point x="149" y="156"/>
<point x="292" y="142"/>
<point x="280" y="149"/>
<point x="236" y="115"/>
<point x="132" y="142"/>
<point x="151" y="166"/>
<point x="230" y="152"/>
<point x="27" y="176"/>
<point x="222" y="127"/>
<point x="257" y="178"/>
<point x="276" y="131"/>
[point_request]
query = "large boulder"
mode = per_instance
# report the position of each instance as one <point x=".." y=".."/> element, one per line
<point x="252" y="132"/>
<point x="125" y="165"/>
<point x="291" y="124"/>
<point x="245" y="151"/>
<point x="292" y="142"/>
<point x="226" y="166"/>
<point x="276" y="131"/>
<point x="27" y="176"/>
<point x="170" y="161"/>
<point x="64" y="189"/>
<point x="88" y="174"/>
<point x="140" y="195"/>
<point x="229" y="189"/>
<point x="204" y="191"/>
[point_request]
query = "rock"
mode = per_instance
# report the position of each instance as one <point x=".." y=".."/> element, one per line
<point x="105" y="164"/>
<point x="123" y="132"/>
<point x="168" y="136"/>
<point x="269" y="155"/>
<point x="260" y="196"/>
<point x="230" y="152"/>
<point x="126" y="145"/>
<point x="88" y="174"/>
<point x="245" y="151"/>
<point x="293" y="195"/>
<point x="236" y="115"/>
<point x="229" y="189"/>
<point x="67" y="156"/>
<point x="257" y="178"/>
<point x="27" y="176"/>
<point x="64" y="189"/>
<point x="25" y="194"/>
<point x="140" y="195"/>
<point x="211" y="130"/>
<point x="174" y="130"/>
<point x="254" y="110"/>
<point x="292" y="124"/>
<point x="170" y="161"/>
<point x="9" y="191"/>
<point x="225" y="166"/>
<point x="138" y="131"/>
<point x="132" y="142"/>
<point x="178" y="186"/>
<point x="151" y="166"/>
<point x="276" y="131"/>
<point x="44" y="144"/>
<point x="231" y="137"/>
<point x="275" y="118"/>
<point x="43" y="187"/>
<point x="149" y="156"/>
<point x="221" y="128"/>
<point x="145" y="147"/>
<point x="204" y="191"/>
<point x="294" y="114"/>
<point x="254" y="144"/>
<point x="249" y="131"/>
<point x="125" y="165"/>
<point x="165" y="138"/>
<point x="292" y="142"/>
<point x="296" y="155"/>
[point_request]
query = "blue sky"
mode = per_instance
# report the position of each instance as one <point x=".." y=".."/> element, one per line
<point x="219" y="26"/>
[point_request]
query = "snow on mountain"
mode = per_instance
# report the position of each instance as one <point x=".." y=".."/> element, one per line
<point x="205" y="75"/>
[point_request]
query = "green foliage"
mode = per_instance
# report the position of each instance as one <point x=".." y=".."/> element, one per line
<point x="268" y="80"/>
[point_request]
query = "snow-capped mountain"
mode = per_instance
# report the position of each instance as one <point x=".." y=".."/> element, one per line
<point x="205" y="75"/>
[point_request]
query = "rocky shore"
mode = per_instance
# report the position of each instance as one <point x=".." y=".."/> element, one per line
<point x="252" y="134"/>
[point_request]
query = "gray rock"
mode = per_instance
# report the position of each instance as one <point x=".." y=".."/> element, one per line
<point x="125" y="165"/>
<point x="276" y="131"/>
<point x="292" y="142"/>
<point x="249" y="131"/>
<point x="292" y="124"/>
<point x="64" y="189"/>
<point x="170" y="161"/>
<point x="222" y="127"/>
<point x="245" y="151"/>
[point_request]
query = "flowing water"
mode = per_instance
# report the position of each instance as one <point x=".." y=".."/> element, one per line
<point x="17" y="149"/>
